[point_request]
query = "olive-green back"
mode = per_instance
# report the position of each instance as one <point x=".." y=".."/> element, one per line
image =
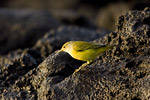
<point x="81" y="45"/>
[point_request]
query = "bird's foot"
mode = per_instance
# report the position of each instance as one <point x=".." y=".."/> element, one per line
<point x="81" y="68"/>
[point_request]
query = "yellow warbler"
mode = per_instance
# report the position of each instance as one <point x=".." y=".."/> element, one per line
<point x="84" y="51"/>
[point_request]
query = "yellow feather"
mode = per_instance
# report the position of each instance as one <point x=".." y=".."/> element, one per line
<point x="82" y="45"/>
<point x="84" y="51"/>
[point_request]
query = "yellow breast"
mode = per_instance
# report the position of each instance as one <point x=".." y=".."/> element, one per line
<point x="86" y="55"/>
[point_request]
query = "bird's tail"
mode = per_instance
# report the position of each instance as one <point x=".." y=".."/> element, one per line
<point x="104" y="48"/>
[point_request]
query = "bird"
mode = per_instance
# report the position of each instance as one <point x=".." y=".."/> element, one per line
<point x="84" y="51"/>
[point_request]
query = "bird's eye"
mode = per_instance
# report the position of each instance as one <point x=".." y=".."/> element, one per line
<point x="64" y="46"/>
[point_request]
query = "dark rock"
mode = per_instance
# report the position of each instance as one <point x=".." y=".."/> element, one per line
<point x="22" y="28"/>
<point x="54" y="39"/>
<point x="53" y="70"/>
<point x="17" y="64"/>
<point x="87" y="12"/>
<point x="21" y="95"/>
<point x="120" y="73"/>
<point x="140" y="4"/>
<point x="42" y="5"/>
<point x="19" y="68"/>
<point x="108" y="15"/>
<point x="70" y="17"/>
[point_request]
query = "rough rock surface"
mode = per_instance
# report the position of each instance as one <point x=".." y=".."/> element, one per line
<point x="22" y="28"/>
<point x="22" y="64"/>
<point x="120" y="73"/>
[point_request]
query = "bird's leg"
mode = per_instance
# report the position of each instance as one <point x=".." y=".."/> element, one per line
<point x="88" y="62"/>
<point x="82" y="67"/>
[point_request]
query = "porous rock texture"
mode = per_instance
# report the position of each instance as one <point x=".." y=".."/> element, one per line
<point x="122" y="72"/>
<point x="21" y="65"/>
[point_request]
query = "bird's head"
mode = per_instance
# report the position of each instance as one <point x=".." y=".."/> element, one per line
<point x="67" y="47"/>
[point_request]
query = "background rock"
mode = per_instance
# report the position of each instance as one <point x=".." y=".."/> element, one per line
<point x="86" y="13"/>
<point x="22" y="28"/>
<point x="122" y="72"/>
<point x="108" y="15"/>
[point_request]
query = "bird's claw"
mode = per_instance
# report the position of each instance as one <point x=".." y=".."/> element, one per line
<point x="80" y="68"/>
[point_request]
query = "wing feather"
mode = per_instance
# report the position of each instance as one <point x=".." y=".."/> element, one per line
<point x="81" y="45"/>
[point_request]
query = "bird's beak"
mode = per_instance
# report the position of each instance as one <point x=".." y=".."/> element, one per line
<point x="59" y="51"/>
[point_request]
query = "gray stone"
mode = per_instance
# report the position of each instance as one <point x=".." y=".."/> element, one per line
<point x="22" y="28"/>
<point x="122" y="72"/>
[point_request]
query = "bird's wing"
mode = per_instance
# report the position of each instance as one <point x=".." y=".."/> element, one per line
<point x="81" y="45"/>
